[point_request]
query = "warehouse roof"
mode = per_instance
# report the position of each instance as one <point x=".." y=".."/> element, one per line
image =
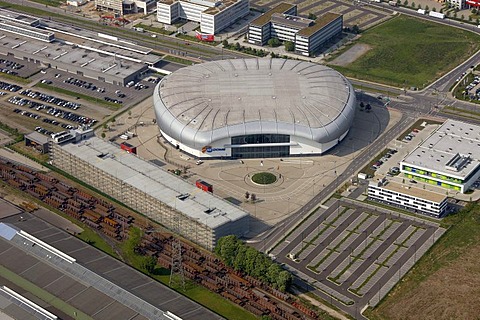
<point x="156" y="182"/>
<point x="453" y="149"/>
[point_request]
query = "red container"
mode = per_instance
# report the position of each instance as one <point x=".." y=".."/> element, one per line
<point x="204" y="185"/>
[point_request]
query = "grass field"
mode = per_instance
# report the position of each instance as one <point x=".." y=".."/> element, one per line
<point x="411" y="52"/>
<point x="445" y="283"/>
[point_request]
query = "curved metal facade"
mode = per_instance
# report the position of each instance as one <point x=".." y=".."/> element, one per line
<point x="208" y="102"/>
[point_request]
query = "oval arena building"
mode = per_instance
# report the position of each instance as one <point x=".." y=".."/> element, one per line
<point x="254" y="108"/>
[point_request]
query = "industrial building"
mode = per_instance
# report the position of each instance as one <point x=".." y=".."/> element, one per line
<point x="408" y="197"/>
<point x="307" y="35"/>
<point x="213" y="15"/>
<point x="92" y="55"/>
<point x="254" y="108"/>
<point x="163" y="197"/>
<point x="448" y="158"/>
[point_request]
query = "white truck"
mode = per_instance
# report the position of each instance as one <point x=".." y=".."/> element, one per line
<point x="436" y="15"/>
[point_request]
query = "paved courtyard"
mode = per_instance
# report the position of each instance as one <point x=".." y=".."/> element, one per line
<point x="354" y="253"/>
<point x="300" y="179"/>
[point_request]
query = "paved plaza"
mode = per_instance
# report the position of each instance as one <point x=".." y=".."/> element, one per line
<point x="355" y="253"/>
<point x="300" y="179"/>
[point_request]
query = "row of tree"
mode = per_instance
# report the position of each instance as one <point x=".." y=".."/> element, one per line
<point x="241" y="257"/>
<point x="247" y="50"/>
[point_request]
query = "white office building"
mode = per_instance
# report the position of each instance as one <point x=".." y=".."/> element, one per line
<point x="213" y="15"/>
<point x="408" y="197"/>
<point x="281" y="22"/>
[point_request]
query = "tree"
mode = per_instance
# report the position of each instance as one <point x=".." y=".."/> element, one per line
<point x="227" y="248"/>
<point x="247" y="195"/>
<point x="225" y="43"/>
<point x="239" y="261"/>
<point x="289" y="46"/>
<point x="419" y="6"/>
<point x="427" y="8"/>
<point x="455" y="14"/>
<point x="105" y="126"/>
<point x="368" y="107"/>
<point x="113" y="120"/>
<point x="250" y="258"/>
<point x="434" y="9"/>
<point x="362" y="105"/>
<point x="103" y="135"/>
<point x="253" y="197"/>
<point x="405" y="3"/>
<point x="474" y="11"/>
<point x="129" y="113"/>
<point x="413" y="4"/>
<point x="149" y="264"/>
<point x="237" y="46"/>
<point x="312" y="16"/>
<point x="274" y="42"/>
<point x="469" y="18"/>
<point x="284" y="280"/>
<point x="355" y="29"/>
<point x="462" y="17"/>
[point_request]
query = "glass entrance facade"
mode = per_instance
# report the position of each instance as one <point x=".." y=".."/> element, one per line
<point x="263" y="150"/>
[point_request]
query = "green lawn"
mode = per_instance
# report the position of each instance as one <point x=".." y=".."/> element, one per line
<point x="411" y="52"/>
<point x="264" y="178"/>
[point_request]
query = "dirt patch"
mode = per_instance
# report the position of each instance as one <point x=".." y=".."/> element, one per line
<point x="351" y="55"/>
<point x="452" y="292"/>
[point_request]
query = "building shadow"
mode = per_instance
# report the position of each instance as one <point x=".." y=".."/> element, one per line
<point x="367" y="126"/>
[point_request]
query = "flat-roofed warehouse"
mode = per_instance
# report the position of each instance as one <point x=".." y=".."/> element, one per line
<point x="97" y="56"/>
<point x="448" y="158"/>
<point x="254" y="108"/>
<point x="178" y="205"/>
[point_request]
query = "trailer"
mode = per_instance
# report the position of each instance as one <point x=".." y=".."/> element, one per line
<point x="128" y="147"/>
<point x="205" y="186"/>
<point x="436" y="15"/>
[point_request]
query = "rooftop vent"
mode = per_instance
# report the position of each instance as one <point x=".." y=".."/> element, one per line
<point x="458" y="162"/>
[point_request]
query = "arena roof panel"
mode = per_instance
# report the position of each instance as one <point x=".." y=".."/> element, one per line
<point x="286" y="93"/>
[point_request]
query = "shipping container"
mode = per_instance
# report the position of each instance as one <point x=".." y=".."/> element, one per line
<point x="128" y="147"/>
<point x="204" y="185"/>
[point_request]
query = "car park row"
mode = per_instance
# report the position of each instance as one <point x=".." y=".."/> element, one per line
<point x="50" y="99"/>
<point x="377" y="164"/>
<point x="70" y="116"/>
<point x="9" y="87"/>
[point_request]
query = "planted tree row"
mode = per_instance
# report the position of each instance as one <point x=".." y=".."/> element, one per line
<point x="241" y="257"/>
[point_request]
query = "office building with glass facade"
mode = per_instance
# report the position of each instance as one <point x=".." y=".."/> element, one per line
<point x="449" y="158"/>
<point x="213" y="15"/>
<point x="408" y="197"/>
<point x="254" y="108"/>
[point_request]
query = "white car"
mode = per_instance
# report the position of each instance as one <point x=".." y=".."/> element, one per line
<point x="199" y="162"/>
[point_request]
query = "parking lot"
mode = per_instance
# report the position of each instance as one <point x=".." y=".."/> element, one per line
<point x="97" y="89"/>
<point x="354" y="253"/>
<point x="354" y="13"/>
